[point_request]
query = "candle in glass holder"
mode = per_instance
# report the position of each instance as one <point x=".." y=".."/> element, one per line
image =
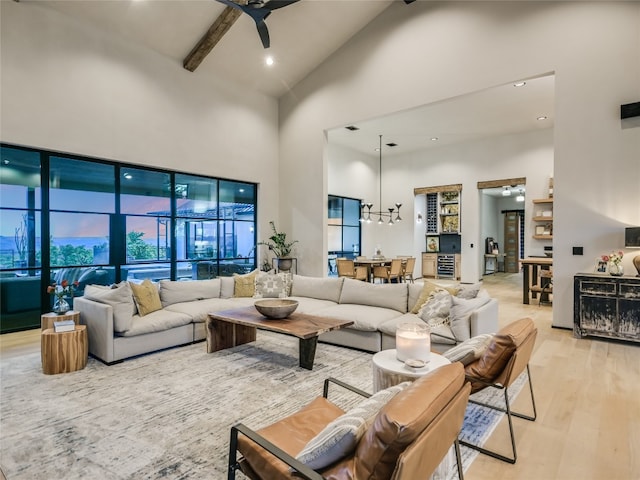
<point x="413" y="341"/>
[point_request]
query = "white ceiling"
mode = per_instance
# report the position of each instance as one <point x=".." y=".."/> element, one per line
<point x="303" y="35"/>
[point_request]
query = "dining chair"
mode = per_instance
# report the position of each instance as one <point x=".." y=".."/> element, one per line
<point x="388" y="273"/>
<point x="346" y="268"/>
<point x="407" y="269"/>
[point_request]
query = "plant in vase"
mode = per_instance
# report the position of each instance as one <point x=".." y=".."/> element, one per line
<point x="280" y="247"/>
<point x="614" y="259"/>
<point x="59" y="292"/>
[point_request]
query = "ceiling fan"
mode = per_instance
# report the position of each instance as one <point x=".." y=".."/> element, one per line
<point x="259" y="10"/>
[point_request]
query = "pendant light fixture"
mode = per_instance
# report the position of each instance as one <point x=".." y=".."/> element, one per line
<point x="382" y="216"/>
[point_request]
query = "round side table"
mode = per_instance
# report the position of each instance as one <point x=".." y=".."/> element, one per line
<point x="64" y="351"/>
<point x="47" y="319"/>
<point x="389" y="371"/>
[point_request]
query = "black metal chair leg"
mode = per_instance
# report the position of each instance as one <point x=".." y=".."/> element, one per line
<point x="456" y="444"/>
<point x="510" y="414"/>
<point x="233" y="452"/>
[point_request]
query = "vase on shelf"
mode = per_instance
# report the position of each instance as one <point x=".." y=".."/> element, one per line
<point x="616" y="269"/>
<point x="60" y="306"/>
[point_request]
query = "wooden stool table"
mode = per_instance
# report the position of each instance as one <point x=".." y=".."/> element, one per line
<point x="47" y="319"/>
<point x="65" y="351"/>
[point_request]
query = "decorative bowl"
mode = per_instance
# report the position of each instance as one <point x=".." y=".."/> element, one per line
<point x="276" y="308"/>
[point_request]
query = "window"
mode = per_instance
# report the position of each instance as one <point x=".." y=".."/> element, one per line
<point x="65" y="217"/>
<point x="344" y="234"/>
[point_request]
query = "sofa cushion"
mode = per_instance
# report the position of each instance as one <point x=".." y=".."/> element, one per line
<point x="199" y="309"/>
<point x="441" y="335"/>
<point x="340" y="437"/>
<point x="316" y="287"/>
<point x="245" y="285"/>
<point x="272" y="285"/>
<point x="157" y="321"/>
<point x="311" y="305"/>
<point x="188" y="291"/>
<point x="427" y="289"/>
<point x="499" y="351"/>
<point x="404" y="418"/>
<point x="470" y="350"/>
<point x="393" y="296"/>
<point x="364" y="317"/>
<point x="121" y="300"/>
<point x="146" y="296"/>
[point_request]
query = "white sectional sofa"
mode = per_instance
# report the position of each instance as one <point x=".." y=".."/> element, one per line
<point x="117" y="331"/>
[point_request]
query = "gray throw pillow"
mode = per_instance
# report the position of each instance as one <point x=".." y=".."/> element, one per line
<point x="120" y="297"/>
<point x="469" y="291"/>
<point x="341" y="436"/>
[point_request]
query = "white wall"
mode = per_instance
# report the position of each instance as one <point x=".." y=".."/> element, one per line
<point x="527" y="155"/>
<point x="72" y="88"/>
<point x="420" y="53"/>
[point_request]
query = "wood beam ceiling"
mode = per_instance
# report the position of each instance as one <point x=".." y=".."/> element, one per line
<point x="210" y="39"/>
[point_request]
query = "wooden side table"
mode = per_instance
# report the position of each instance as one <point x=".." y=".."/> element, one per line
<point x="46" y="320"/>
<point x="389" y="371"/>
<point x="65" y="351"/>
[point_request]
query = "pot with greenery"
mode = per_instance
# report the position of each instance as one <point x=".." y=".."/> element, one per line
<point x="280" y="247"/>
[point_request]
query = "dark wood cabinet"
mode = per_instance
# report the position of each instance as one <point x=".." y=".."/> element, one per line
<point x="607" y="306"/>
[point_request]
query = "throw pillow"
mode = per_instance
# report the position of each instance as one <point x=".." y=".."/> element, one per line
<point x="341" y="436"/>
<point x="271" y="285"/>
<point x="121" y="300"/>
<point x="436" y="313"/>
<point x="245" y="285"/>
<point x="469" y="350"/>
<point x="437" y="308"/>
<point x="468" y="291"/>
<point x="461" y="310"/>
<point x="427" y="290"/>
<point x="147" y="297"/>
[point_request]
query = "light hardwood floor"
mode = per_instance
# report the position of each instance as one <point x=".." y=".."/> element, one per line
<point x="587" y="394"/>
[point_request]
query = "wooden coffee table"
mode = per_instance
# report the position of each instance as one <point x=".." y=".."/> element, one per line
<point x="229" y="328"/>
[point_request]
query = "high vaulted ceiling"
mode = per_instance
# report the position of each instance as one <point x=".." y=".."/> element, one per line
<point x="303" y="35"/>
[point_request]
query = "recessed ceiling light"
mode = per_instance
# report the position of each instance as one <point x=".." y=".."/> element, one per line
<point x="434" y="139"/>
<point x="241" y="190"/>
<point x="5" y="161"/>
<point x="268" y="60"/>
<point x="128" y="176"/>
<point x="519" y="84"/>
<point x="542" y="117"/>
<point x="377" y="149"/>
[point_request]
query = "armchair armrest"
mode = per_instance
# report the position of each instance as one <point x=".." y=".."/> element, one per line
<point x="300" y="468"/>
<point x="325" y="391"/>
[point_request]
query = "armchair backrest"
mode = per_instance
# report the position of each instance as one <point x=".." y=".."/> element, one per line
<point x="410" y="265"/>
<point x="413" y="432"/>
<point x="506" y="357"/>
<point x="396" y="267"/>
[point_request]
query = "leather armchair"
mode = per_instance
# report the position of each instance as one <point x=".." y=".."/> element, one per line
<point x="408" y="439"/>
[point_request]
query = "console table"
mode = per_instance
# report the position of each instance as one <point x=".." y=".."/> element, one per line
<point x="606" y="306"/>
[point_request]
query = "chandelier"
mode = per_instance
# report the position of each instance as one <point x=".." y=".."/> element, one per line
<point x="365" y="216"/>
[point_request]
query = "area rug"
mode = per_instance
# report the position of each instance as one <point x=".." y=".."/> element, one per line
<point x="168" y="414"/>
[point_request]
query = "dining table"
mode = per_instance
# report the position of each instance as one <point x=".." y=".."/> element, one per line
<point x="530" y="268"/>
<point x="374" y="262"/>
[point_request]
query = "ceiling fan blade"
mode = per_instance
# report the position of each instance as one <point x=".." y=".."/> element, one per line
<point x="264" y="33"/>
<point x="409" y="1"/>
<point x="231" y="4"/>
<point x="275" y="4"/>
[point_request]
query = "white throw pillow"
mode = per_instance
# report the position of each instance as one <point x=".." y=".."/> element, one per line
<point x="470" y="350"/>
<point x="121" y="300"/>
<point x="341" y="436"/>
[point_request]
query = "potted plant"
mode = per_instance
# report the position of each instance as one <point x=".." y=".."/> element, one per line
<point x="281" y="248"/>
